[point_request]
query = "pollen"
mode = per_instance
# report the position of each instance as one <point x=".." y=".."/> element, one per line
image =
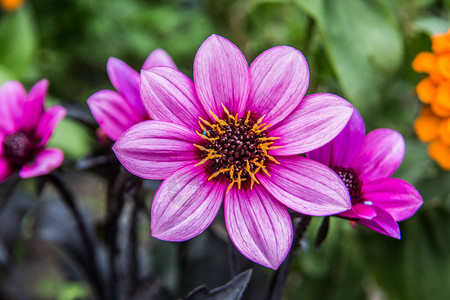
<point x="236" y="148"/>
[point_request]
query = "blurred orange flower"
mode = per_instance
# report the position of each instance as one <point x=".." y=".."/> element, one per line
<point x="433" y="124"/>
<point x="11" y="5"/>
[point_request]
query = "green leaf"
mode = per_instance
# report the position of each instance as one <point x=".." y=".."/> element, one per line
<point x="432" y="25"/>
<point x="362" y="41"/>
<point x="5" y="74"/>
<point x="18" y="41"/>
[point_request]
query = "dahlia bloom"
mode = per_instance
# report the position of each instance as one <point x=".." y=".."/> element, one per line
<point x="365" y="163"/>
<point x="433" y="124"/>
<point x="25" y="129"/>
<point x="233" y="136"/>
<point x="115" y="111"/>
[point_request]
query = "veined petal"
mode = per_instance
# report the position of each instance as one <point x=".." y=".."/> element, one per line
<point x="112" y="112"/>
<point x="380" y="155"/>
<point x="12" y="97"/>
<point x="169" y="95"/>
<point x="34" y="104"/>
<point x="383" y="223"/>
<point x="46" y="161"/>
<point x="5" y="169"/>
<point x="185" y="204"/>
<point x="159" y="58"/>
<point x="258" y="225"/>
<point x="155" y="149"/>
<point x="306" y="186"/>
<point x="280" y="78"/>
<point x="126" y="81"/>
<point x="359" y="211"/>
<point x="344" y="147"/>
<point x="317" y="120"/>
<point x="221" y="76"/>
<point x="397" y="197"/>
<point x="48" y="122"/>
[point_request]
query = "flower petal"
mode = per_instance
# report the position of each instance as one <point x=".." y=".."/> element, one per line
<point x="359" y="211"/>
<point x="344" y="147"/>
<point x="316" y="121"/>
<point x="5" y="169"/>
<point x="396" y="196"/>
<point x="258" y="225"/>
<point x="46" y="161"/>
<point x="185" y="204"/>
<point x="169" y="95"/>
<point x="306" y="186"/>
<point x="112" y="112"/>
<point x="12" y="97"/>
<point x="380" y="155"/>
<point x="34" y="104"/>
<point x="126" y="81"/>
<point x="48" y="122"/>
<point x="155" y="149"/>
<point x="159" y="58"/>
<point x="280" y="78"/>
<point x="221" y="76"/>
<point x="383" y="223"/>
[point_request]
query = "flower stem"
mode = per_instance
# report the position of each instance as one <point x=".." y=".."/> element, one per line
<point x="91" y="267"/>
<point x="280" y="276"/>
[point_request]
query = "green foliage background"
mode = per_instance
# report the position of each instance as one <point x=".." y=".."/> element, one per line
<point x="359" y="49"/>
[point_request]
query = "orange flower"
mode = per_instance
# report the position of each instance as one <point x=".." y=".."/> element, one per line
<point x="433" y="124"/>
<point x="11" y="5"/>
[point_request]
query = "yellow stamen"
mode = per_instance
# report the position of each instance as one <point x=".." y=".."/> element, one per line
<point x="202" y="127"/>
<point x="260" y="119"/>
<point x="248" y="118"/>
<point x="230" y="186"/>
<point x="265" y="127"/>
<point x="207" y="138"/>
<point x="272" y="159"/>
<point x="236" y="121"/>
<point x="263" y="139"/>
<point x="216" y="118"/>
<point x="232" y="172"/>
<point x="206" y="122"/>
<point x="218" y="173"/>
<point x="226" y="110"/>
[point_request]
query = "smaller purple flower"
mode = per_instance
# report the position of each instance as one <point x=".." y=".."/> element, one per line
<point x="365" y="163"/>
<point x="25" y="129"/>
<point x="115" y="111"/>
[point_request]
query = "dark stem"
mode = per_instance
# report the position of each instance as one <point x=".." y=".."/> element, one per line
<point x="182" y="264"/>
<point x="9" y="188"/>
<point x="280" y="276"/>
<point x="133" y="262"/>
<point x="232" y="259"/>
<point x="92" y="266"/>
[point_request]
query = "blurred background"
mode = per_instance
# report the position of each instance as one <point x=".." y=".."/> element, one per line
<point x="359" y="49"/>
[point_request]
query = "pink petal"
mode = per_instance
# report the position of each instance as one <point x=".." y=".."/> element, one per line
<point x="221" y="76"/>
<point x="258" y="225"/>
<point x="126" y="81"/>
<point x="155" y="149"/>
<point x="112" y="112"/>
<point x="359" y="211"/>
<point x="159" y="58"/>
<point x="48" y="122"/>
<point x="397" y="197"/>
<point x="380" y="155"/>
<point x="342" y="149"/>
<point x="12" y="97"/>
<point x="280" y="78"/>
<point x="306" y="186"/>
<point x="5" y="169"/>
<point x="185" y="204"/>
<point x="383" y="223"/>
<point x="46" y="161"/>
<point x="316" y="121"/>
<point x="169" y="95"/>
<point x="34" y="104"/>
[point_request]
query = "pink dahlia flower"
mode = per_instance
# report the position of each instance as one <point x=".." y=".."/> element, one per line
<point x="115" y="111"/>
<point x="25" y="128"/>
<point x="365" y="164"/>
<point x="233" y="136"/>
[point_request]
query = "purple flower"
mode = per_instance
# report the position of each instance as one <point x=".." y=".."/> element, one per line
<point x="233" y="136"/>
<point x="25" y="128"/>
<point x="365" y="164"/>
<point x="114" y="111"/>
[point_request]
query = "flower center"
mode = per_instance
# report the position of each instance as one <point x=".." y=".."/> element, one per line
<point x="237" y="148"/>
<point x="18" y="148"/>
<point x="351" y="181"/>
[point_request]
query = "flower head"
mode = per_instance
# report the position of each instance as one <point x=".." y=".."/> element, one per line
<point x="434" y="91"/>
<point x="115" y="111"/>
<point x="11" y="5"/>
<point x="25" y="129"/>
<point x="233" y="136"/>
<point x="365" y="164"/>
